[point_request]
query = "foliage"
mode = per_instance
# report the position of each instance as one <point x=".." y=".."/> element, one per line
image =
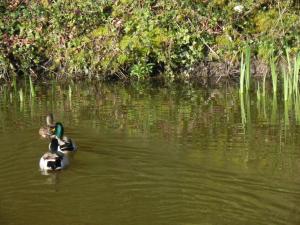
<point x="138" y="39"/>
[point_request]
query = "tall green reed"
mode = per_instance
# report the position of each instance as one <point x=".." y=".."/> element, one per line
<point x="247" y="66"/>
<point x="245" y="70"/>
<point x="242" y="74"/>
<point x="14" y="83"/>
<point x="290" y="76"/>
<point x="273" y="74"/>
<point x="286" y="85"/>
<point x="296" y="72"/>
<point x="264" y="85"/>
<point x="32" y="90"/>
<point x="21" y="95"/>
<point x="258" y="92"/>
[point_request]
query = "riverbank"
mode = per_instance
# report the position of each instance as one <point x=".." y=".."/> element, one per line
<point x="198" y="41"/>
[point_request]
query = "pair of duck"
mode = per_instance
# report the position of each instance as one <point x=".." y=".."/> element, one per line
<point x="60" y="147"/>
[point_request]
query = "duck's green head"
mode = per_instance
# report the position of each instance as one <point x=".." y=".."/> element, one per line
<point x="59" y="130"/>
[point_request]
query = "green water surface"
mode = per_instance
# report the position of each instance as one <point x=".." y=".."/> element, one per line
<point x="150" y="156"/>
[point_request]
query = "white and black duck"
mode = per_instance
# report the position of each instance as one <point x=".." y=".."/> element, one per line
<point x="54" y="159"/>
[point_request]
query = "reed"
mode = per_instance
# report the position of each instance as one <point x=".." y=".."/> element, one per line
<point x="297" y="108"/>
<point x="274" y="109"/>
<point x="258" y="92"/>
<point x="264" y="86"/>
<point x="247" y="67"/>
<point x="287" y="52"/>
<point x="248" y="108"/>
<point x="70" y="95"/>
<point x="243" y="112"/>
<point x="242" y="74"/>
<point x="290" y="77"/>
<point x="14" y="83"/>
<point x="32" y="91"/>
<point x="264" y="107"/>
<point x="286" y="84"/>
<point x="273" y="74"/>
<point x="21" y="95"/>
<point x="296" y="73"/>
<point x="258" y="97"/>
<point x="70" y="92"/>
<point x="286" y="113"/>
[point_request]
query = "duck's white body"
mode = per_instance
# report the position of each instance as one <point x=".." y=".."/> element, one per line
<point x="52" y="162"/>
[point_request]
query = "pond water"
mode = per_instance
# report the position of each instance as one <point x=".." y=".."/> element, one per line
<point x="151" y="155"/>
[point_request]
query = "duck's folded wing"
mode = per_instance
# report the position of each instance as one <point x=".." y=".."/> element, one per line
<point x="67" y="146"/>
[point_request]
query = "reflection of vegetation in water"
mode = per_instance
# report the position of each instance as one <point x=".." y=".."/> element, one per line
<point x="129" y="108"/>
<point x="243" y="113"/>
<point x="286" y="113"/>
<point x="217" y="119"/>
<point x="297" y="109"/>
<point x="146" y="109"/>
<point x="70" y="95"/>
<point x="274" y="109"/>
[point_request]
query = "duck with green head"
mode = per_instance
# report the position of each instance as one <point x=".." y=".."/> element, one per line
<point x="65" y="144"/>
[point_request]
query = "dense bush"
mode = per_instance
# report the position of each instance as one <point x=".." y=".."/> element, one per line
<point x="128" y="38"/>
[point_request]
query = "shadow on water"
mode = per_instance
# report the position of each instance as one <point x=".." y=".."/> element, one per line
<point x="175" y="155"/>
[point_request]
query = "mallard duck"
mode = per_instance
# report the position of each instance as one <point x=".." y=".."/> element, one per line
<point x="53" y="160"/>
<point x="48" y="130"/>
<point x="65" y="144"/>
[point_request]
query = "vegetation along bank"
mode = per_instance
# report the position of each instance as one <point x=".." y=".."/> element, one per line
<point x="127" y="39"/>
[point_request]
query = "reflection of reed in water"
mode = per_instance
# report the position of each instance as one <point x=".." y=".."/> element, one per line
<point x="176" y="112"/>
<point x="245" y="106"/>
<point x="297" y="109"/>
<point x="286" y="112"/>
<point x="274" y="109"/>
<point x="70" y="96"/>
<point x="296" y="4"/>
